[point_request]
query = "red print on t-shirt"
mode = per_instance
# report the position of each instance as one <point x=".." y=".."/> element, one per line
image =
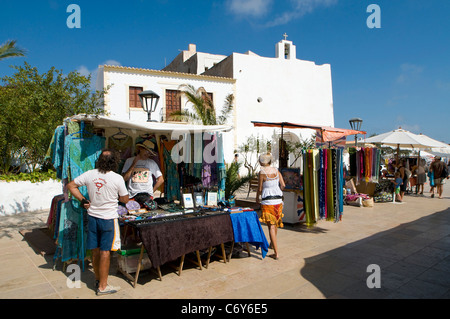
<point x="98" y="185"/>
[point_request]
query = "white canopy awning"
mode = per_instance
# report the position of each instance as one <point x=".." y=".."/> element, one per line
<point x="154" y="127"/>
<point x="436" y="146"/>
<point x="400" y="138"/>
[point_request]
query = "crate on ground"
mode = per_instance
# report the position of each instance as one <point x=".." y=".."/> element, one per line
<point x="128" y="259"/>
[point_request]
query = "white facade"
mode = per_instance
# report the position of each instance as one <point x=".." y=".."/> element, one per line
<point x="191" y="61"/>
<point x="281" y="90"/>
<point x="122" y="78"/>
<point x="116" y="102"/>
<point x="278" y="89"/>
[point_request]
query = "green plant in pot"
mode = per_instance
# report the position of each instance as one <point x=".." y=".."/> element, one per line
<point x="234" y="182"/>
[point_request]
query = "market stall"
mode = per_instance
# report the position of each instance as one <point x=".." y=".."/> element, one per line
<point x="192" y="196"/>
<point x="316" y="191"/>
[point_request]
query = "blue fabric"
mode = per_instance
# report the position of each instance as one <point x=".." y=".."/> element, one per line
<point x="247" y="229"/>
<point x="71" y="234"/>
<point x="80" y="156"/>
<point x="341" y="182"/>
<point x="56" y="150"/>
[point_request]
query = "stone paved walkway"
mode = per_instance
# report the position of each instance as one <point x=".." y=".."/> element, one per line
<point x="410" y="242"/>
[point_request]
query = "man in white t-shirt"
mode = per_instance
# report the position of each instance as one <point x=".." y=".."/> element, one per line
<point x="105" y="189"/>
<point x="138" y="170"/>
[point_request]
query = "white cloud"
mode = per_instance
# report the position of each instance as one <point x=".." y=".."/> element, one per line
<point x="408" y="72"/>
<point x="257" y="9"/>
<point x="443" y="85"/>
<point x="252" y="8"/>
<point x="84" y="70"/>
<point x="299" y="9"/>
<point x="414" y="128"/>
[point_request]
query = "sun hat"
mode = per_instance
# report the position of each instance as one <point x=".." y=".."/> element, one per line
<point x="148" y="145"/>
<point x="265" y="158"/>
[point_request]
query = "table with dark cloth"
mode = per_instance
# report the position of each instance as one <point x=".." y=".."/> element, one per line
<point x="169" y="240"/>
<point x="247" y="229"/>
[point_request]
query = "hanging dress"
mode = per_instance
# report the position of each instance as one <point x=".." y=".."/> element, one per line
<point x="124" y="146"/>
<point x="171" y="179"/>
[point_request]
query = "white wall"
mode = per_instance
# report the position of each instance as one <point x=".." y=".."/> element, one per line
<point x="25" y="196"/>
<point x="121" y="78"/>
<point x="291" y="91"/>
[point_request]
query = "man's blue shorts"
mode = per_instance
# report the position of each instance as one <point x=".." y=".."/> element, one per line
<point x="103" y="234"/>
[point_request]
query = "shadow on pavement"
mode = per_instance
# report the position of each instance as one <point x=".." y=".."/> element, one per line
<point x="413" y="260"/>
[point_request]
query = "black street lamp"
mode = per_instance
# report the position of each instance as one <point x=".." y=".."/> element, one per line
<point x="355" y="124"/>
<point x="149" y="106"/>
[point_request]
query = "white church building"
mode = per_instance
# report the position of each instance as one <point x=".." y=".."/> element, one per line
<point x="267" y="89"/>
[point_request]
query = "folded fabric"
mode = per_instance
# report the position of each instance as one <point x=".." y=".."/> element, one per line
<point x="247" y="229"/>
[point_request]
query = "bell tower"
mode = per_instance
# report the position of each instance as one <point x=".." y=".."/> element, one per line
<point x="285" y="49"/>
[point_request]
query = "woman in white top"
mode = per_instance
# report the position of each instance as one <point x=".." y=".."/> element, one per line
<point x="270" y="186"/>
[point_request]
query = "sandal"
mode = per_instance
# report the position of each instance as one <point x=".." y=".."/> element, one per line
<point x="274" y="256"/>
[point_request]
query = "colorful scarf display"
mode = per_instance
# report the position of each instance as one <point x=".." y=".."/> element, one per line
<point x="365" y="164"/>
<point x="323" y="179"/>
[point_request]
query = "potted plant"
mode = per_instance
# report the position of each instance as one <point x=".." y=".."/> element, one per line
<point x="234" y="181"/>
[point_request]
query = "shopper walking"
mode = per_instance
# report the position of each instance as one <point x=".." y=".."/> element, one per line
<point x="105" y="188"/>
<point x="440" y="172"/>
<point x="405" y="173"/>
<point x="421" y="176"/>
<point x="270" y="186"/>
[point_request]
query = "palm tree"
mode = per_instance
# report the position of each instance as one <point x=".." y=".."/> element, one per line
<point x="233" y="181"/>
<point x="9" y="50"/>
<point x="204" y="111"/>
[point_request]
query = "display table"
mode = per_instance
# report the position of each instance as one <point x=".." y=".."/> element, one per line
<point x="247" y="229"/>
<point x="165" y="241"/>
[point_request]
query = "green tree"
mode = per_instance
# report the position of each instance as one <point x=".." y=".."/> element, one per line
<point x="204" y="111"/>
<point x="234" y="181"/>
<point x="32" y="105"/>
<point x="9" y="50"/>
<point x="295" y="148"/>
<point x="250" y="151"/>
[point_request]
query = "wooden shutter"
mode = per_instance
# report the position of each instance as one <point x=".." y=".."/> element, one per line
<point x="135" y="101"/>
<point x="173" y="103"/>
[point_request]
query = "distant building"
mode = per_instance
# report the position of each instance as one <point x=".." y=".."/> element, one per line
<point x="266" y="89"/>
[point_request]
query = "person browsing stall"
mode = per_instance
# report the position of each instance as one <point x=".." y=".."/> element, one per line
<point x="270" y="188"/>
<point x="138" y="170"/>
<point x="440" y="172"/>
<point x="105" y="189"/>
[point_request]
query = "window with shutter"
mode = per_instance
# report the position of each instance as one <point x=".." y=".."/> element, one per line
<point x="173" y="103"/>
<point x="135" y="101"/>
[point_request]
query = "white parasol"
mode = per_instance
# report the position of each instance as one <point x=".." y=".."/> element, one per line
<point x="401" y="138"/>
<point x="437" y="146"/>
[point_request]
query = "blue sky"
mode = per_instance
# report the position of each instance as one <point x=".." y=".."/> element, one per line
<point x="397" y="75"/>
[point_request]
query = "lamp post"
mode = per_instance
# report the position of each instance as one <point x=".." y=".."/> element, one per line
<point x="149" y="100"/>
<point x="355" y="124"/>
